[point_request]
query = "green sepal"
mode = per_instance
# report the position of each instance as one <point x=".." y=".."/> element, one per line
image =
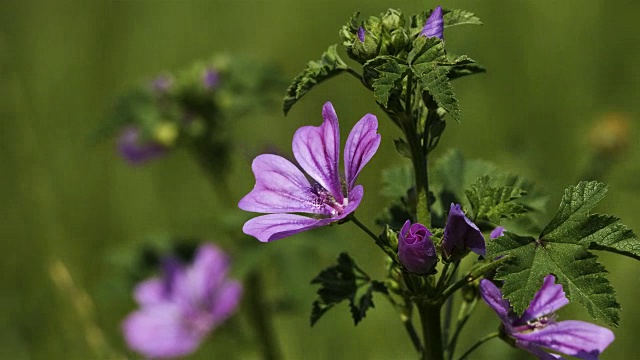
<point x="345" y="281"/>
<point x="316" y="72"/>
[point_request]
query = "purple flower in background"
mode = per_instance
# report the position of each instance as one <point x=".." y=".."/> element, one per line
<point x="537" y="328"/>
<point x="434" y="27"/>
<point x="416" y="251"/>
<point x="282" y="189"/>
<point x="497" y="232"/>
<point x="361" y="33"/>
<point x="161" y="84"/>
<point x="460" y="236"/>
<point x="210" y="79"/>
<point x="178" y="310"/>
<point x="136" y="152"/>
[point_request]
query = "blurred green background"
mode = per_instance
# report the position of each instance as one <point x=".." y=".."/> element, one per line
<point x="554" y="69"/>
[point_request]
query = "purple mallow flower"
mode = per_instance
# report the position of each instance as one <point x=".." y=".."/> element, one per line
<point x="537" y="329"/>
<point x="434" y="27"/>
<point x="282" y="189"/>
<point x="460" y="236"/>
<point x="136" y="152"/>
<point x="179" y="309"/>
<point x="210" y="79"/>
<point x="361" y="34"/>
<point x="416" y="251"/>
<point x="497" y="232"/>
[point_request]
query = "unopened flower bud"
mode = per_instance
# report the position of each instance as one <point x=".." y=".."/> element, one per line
<point x="434" y="27"/>
<point x="460" y="236"/>
<point x="416" y="250"/>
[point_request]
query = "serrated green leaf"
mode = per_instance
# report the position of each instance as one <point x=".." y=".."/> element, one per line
<point x="574" y="224"/>
<point x="453" y="17"/>
<point x="426" y="50"/>
<point x="494" y="203"/>
<point x="434" y="80"/>
<point x="316" y="72"/>
<point x="344" y="281"/>
<point x="582" y="277"/>
<point x="389" y="77"/>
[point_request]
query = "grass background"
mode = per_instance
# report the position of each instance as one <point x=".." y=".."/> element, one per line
<point x="554" y="69"/>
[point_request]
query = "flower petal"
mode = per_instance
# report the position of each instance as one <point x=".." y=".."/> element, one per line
<point x="277" y="226"/>
<point x="355" y="196"/>
<point x="547" y="300"/>
<point x="280" y="187"/>
<point x="317" y="150"/>
<point x="362" y="144"/>
<point x="541" y="354"/>
<point x="497" y="232"/>
<point x="226" y="301"/>
<point x="434" y="27"/>
<point x="204" y="276"/>
<point x="150" y="292"/>
<point x="492" y="295"/>
<point x="576" y="338"/>
<point x="136" y="152"/>
<point x="158" y="331"/>
<point x="461" y="234"/>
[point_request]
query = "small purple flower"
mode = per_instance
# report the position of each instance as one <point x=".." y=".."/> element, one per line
<point x="416" y="251"/>
<point x="181" y="308"/>
<point x="282" y="190"/>
<point x="136" y="152"/>
<point x="434" y="27"/>
<point x="497" y="232"/>
<point x="537" y="328"/>
<point x="210" y="79"/>
<point x="361" y="34"/>
<point x="460" y="236"/>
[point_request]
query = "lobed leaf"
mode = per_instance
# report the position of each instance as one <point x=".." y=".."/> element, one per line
<point x="494" y="203"/>
<point x="582" y="277"/>
<point x="389" y="77"/>
<point x="344" y="281"/>
<point x="316" y="72"/>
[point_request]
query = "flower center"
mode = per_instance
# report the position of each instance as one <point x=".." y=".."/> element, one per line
<point x="536" y="324"/>
<point x="324" y="200"/>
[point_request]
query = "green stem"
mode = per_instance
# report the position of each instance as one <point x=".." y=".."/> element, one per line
<point x="364" y="228"/>
<point x="431" y="331"/>
<point x="463" y="316"/>
<point x="419" y="161"/>
<point x="259" y="317"/>
<point x="408" y="325"/>
<point x="443" y="276"/>
<point x="478" y="343"/>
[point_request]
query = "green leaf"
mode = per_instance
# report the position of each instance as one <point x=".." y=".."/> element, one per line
<point x="316" y="72"/>
<point x="426" y="50"/>
<point x="344" y="281"/>
<point x="453" y="17"/>
<point x="434" y="80"/>
<point x="403" y="148"/>
<point x="573" y="223"/>
<point x="390" y="75"/>
<point x="582" y="277"/>
<point x="494" y="203"/>
<point x="452" y="174"/>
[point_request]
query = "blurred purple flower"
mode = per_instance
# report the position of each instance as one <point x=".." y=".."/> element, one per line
<point x="136" y="152"/>
<point x="434" y="27"/>
<point x="361" y="34"/>
<point x="537" y="328"/>
<point x="210" y="79"/>
<point x="460" y="236"/>
<point x="179" y="309"/>
<point x="161" y="84"/>
<point x="416" y="251"/>
<point x="282" y="189"/>
<point x="497" y="232"/>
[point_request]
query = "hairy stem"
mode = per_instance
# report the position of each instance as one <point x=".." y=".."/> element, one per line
<point x="464" y="314"/>
<point x="431" y="331"/>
